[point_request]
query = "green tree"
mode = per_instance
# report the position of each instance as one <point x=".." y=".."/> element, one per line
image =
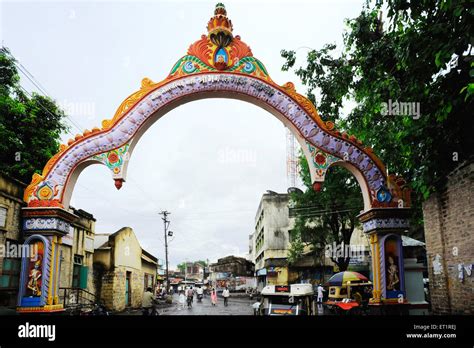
<point x="182" y="266"/>
<point x="422" y="54"/>
<point x="30" y="127"/>
<point x="325" y="217"/>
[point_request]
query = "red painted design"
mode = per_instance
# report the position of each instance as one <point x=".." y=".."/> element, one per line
<point x="239" y="49"/>
<point x="201" y="49"/>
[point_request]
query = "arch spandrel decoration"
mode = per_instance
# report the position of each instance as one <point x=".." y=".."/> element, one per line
<point x="217" y="65"/>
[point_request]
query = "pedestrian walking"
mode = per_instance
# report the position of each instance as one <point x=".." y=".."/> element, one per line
<point x="320" y="293"/>
<point x="182" y="300"/>
<point x="214" y="297"/>
<point x="256" y="307"/>
<point x="225" y="295"/>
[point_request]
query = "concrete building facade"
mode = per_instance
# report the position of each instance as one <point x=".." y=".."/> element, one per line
<point x="76" y="255"/>
<point x="122" y="269"/>
<point x="270" y="241"/>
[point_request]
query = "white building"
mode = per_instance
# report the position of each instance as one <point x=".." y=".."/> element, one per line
<point x="269" y="243"/>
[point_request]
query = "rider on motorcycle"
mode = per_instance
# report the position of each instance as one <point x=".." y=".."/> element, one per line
<point x="148" y="302"/>
<point x="199" y="292"/>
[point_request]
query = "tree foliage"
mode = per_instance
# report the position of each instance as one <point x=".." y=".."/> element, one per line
<point x="325" y="217"/>
<point x="423" y="53"/>
<point x="182" y="266"/>
<point x="30" y="126"/>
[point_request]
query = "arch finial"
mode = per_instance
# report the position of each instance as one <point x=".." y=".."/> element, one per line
<point x="219" y="27"/>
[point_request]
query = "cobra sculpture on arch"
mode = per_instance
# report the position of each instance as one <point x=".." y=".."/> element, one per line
<point x="221" y="65"/>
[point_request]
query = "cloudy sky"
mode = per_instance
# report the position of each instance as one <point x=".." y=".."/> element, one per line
<point x="90" y="55"/>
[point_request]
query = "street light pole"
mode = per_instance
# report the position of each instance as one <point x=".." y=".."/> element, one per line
<point x="166" y="225"/>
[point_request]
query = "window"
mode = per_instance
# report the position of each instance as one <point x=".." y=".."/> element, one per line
<point x="79" y="273"/>
<point x="3" y="217"/>
<point x="147" y="281"/>
<point x="11" y="273"/>
<point x="260" y="239"/>
<point x="260" y="257"/>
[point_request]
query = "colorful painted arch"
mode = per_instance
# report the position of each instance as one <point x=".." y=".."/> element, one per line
<point x="218" y="65"/>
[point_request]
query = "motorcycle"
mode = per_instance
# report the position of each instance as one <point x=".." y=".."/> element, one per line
<point x="94" y="309"/>
<point x="152" y="311"/>
<point x="199" y="297"/>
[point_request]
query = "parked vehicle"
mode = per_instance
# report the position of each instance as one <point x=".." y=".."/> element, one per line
<point x="294" y="299"/>
<point x="91" y="309"/>
<point x="348" y="285"/>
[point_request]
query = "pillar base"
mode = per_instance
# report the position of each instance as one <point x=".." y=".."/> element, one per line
<point x="41" y="309"/>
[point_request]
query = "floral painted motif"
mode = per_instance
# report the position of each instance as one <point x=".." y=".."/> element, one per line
<point x="320" y="160"/>
<point x="114" y="160"/>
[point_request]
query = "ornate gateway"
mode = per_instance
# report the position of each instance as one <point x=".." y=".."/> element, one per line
<point x="219" y="64"/>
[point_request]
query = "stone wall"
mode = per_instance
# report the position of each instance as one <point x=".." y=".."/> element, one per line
<point x="113" y="288"/>
<point x="449" y="225"/>
<point x="11" y="199"/>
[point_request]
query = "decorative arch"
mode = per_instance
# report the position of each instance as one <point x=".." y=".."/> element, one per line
<point x="217" y="65"/>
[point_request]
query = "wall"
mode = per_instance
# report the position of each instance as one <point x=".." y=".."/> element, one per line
<point x="11" y="198"/>
<point x="277" y="223"/>
<point x="83" y="228"/>
<point x="449" y="225"/>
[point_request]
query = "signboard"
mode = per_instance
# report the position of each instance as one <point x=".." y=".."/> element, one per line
<point x="282" y="310"/>
<point x="282" y="288"/>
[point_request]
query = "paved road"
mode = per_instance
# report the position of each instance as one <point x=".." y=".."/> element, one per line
<point x="237" y="306"/>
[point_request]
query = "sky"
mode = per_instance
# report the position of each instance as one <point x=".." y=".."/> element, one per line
<point x="90" y="55"/>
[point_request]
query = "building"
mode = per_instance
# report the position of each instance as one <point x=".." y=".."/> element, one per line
<point x="194" y="271"/>
<point x="237" y="273"/>
<point x="122" y="269"/>
<point x="76" y="255"/>
<point x="237" y="266"/>
<point x="270" y="241"/>
<point x="11" y="202"/>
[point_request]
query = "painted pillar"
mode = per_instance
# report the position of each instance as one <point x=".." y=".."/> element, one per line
<point x="43" y="229"/>
<point x="384" y="227"/>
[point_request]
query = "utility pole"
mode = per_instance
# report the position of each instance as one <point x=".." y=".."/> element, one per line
<point x="166" y="224"/>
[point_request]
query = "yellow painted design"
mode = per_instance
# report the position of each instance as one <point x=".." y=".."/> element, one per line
<point x="51" y="285"/>
<point x="55" y="294"/>
<point x="47" y="308"/>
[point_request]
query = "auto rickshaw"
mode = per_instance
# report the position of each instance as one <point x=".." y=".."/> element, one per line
<point x="294" y="299"/>
<point x="348" y="290"/>
<point x="347" y="285"/>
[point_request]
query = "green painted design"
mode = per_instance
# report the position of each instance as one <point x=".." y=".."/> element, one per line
<point x="260" y="65"/>
<point x="183" y="63"/>
<point x="113" y="159"/>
